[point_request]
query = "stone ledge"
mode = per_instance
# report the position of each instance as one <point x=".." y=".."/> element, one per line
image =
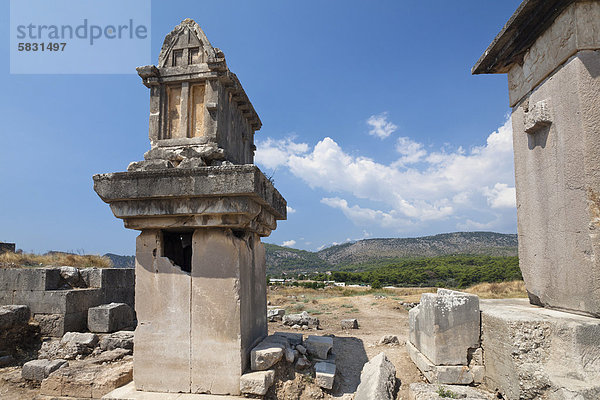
<point x="446" y="374"/>
<point x="236" y="180"/>
<point x="128" y="392"/>
<point x="531" y="351"/>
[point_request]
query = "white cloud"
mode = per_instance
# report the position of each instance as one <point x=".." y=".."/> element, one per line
<point x="501" y="196"/>
<point x="380" y="126"/>
<point x="272" y="153"/>
<point x="290" y="210"/>
<point x="411" y="152"/>
<point x="463" y="185"/>
<point x="289" y="243"/>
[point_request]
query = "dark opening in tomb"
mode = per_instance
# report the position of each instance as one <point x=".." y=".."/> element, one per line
<point x="177" y="247"/>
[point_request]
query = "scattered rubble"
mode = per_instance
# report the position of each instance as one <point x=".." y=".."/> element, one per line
<point x="390" y="340"/>
<point x="300" y="320"/>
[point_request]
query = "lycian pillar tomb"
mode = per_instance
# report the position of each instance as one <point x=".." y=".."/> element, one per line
<point x="551" y="52"/>
<point x="202" y="207"/>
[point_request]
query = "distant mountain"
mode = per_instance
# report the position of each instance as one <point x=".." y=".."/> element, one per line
<point x="121" y="261"/>
<point x="284" y="259"/>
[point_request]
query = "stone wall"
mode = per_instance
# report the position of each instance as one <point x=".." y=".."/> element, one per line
<point x="57" y="305"/>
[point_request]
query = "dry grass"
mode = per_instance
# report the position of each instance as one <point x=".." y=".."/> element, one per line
<point x="24" y="260"/>
<point x="499" y="290"/>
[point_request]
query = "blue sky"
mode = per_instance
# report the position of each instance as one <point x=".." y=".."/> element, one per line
<point x="373" y="125"/>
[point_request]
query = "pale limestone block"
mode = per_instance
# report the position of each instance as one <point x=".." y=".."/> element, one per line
<point x="162" y="338"/>
<point x="377" y="380"/>
<point x="319" y="346"/>
<point x="257" y="383"/>
<point x="324" y="374"/>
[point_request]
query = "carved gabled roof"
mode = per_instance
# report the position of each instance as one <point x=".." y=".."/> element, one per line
<point x="187" y="34"/>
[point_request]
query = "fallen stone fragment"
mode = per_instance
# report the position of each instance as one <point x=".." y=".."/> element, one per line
<point x="117" y="340"/>
<point x="257" y="383"/>
<point x="38" y="370"/>
<point x="324" y="374"/>
<point x="78" y="338"/>
<point x="302" y="363"/>
<point x="425" y="391"/>
<point x="86" y="380"/>
<point x="275" y="314"/>
<point x="5" y="361"/>
<point x="293" y="338"/>
<point x="318" y="346"/>
<point x="349" y="324"/>
<point x="389" y="340"/>
<point x="265" y="355"/>
<point x="108" y="318"/>
<point x="13" y="315"/>
<point x="301" y="349"/>
<point x="71" y="276"/>
<point x="377" y="380"/>
<point x="289" y="355"/>
<point x="302" y="319"/>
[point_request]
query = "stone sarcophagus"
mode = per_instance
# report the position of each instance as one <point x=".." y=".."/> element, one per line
<point x="202" y="207"/>
<point x="551" y="52"/>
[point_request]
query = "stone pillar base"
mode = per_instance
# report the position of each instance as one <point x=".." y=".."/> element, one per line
<point x="198" y="324"/>
<point x="531" y="352"/>
<point x="128" y="392"/>
<point x="445" y="374"/>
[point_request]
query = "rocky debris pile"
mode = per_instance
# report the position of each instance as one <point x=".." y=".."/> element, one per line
<point x="183" y="157"/>
<point x="311" y="357"/>
<point x="19" y="336"/>
<point x="408" y="305"/>
<point x="349" y="323"/>
<point x="111" y="317"/>
<point x="275" y="314"/>
<point x="85" y="374"/>
<point x="389" y="340"/>
<point x="76" y="345"/>
<point x="377" y="380"/>
<point x="301" y="321"/>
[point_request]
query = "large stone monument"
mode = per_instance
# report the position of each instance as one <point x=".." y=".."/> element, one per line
<point x="201" y="206"/>
<point x="551" y="53"/>
<point x="550" y="50"/>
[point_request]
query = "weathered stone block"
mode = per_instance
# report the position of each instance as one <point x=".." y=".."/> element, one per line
<point x="377" y="380"/>
<point x="265" y="355"/>
<point x="294" y="339"/>
<point x="447" y="374"/>
<point x="445" y="326"/>
<point x="257" y="383"/>
<point x="13" y="315"/>
<point x="553" y="89"/>
<point x="319" y="346"/>
<point x="324" y="374"/>
<point x="275" y="314"/>
<point x="531" y="352"/>
<point x="349" y="324"/>
<point x="38" y="370"/>
<point x="109" y="318"/>
<point x="117" y="340"/>
<point x="30" y="279"/>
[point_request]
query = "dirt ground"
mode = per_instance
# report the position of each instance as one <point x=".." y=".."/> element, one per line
<point x="378" y="313"/>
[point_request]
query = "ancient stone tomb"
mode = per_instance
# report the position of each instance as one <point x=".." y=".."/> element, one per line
<point x="202" y="207"/>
